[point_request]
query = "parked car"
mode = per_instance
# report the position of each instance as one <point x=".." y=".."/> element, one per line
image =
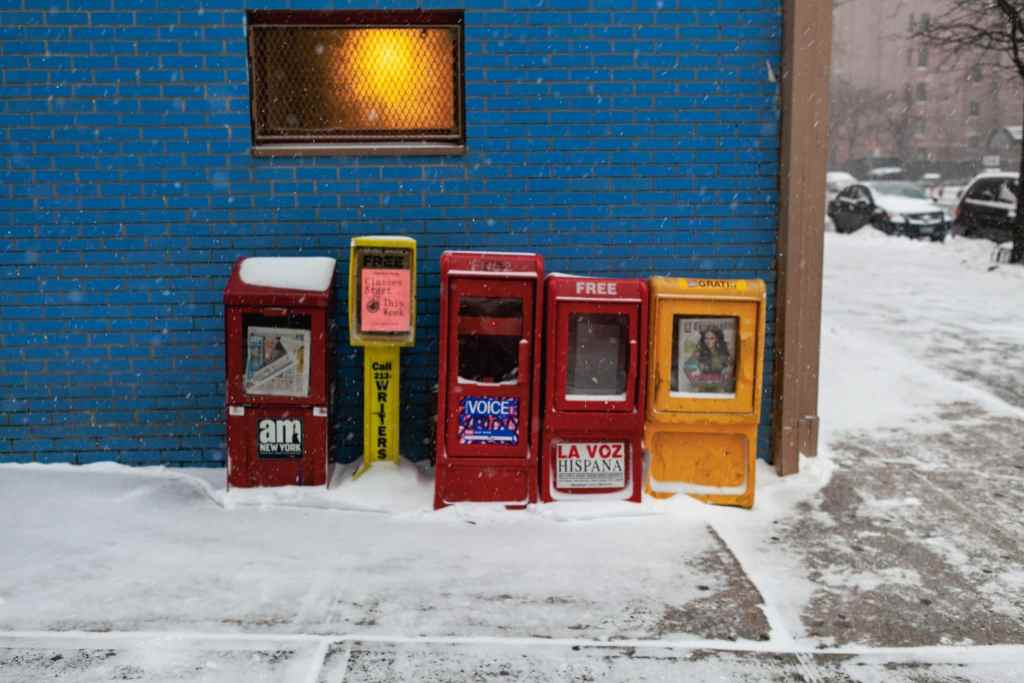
<point x="861" y="168"/>
<point x="988" y="207"/>
<point x="892" y="206"/>
<point x="836" y="182"/>
<point x="887" y="173"/>
<point x="930" y="182"/>
<point x="947" y="193"/>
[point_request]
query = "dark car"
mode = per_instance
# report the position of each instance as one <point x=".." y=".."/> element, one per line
<point x="894" y="207"/>
<point x="988" y="207"/>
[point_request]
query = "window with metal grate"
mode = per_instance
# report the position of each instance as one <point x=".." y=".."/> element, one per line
<point x="325" y="82"/>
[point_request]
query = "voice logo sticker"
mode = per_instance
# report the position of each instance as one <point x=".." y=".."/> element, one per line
<point x="488" y="420"/>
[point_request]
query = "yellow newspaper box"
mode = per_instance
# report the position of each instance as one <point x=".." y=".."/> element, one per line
<point x="382" y="291"/>
<point x="382" y="319"/>
<point x="704" y="388"/>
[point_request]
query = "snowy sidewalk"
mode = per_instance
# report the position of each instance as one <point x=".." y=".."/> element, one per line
<point x="895" y="556"/>
<point x="104" y="548"/>
<point x="206" y="659"/>
<point x="136" y="553"/>
<point x="156" y="575"/>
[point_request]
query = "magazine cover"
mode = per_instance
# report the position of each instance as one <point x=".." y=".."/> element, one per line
<point x="706" y="356"/>
<point x="277" y="361"/>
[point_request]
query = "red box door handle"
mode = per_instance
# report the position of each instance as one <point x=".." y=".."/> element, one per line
<point x="524" y="360"/>
<point x="634" y="347"/>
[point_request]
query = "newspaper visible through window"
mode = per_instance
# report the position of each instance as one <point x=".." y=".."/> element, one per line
<point x="277" y="361"/>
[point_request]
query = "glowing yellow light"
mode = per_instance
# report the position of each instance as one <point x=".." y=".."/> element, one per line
<point x="396" y="78"/>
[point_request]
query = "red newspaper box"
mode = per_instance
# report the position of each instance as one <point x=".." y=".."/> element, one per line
<point x="595" y="387"/>
<point x="278" y="358"/>
<point x="488" y="425"/>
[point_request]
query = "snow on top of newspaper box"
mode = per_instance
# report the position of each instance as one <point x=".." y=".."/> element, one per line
<point x="310" y="273"/>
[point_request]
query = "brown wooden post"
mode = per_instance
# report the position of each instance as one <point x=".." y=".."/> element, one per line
<point x="807" y="41"/>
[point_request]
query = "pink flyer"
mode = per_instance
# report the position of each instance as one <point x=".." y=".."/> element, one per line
<point x="385" y="300"/>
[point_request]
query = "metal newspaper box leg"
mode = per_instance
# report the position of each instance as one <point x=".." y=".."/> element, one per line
<point x="596" y="375"/>
<point x="278" y="362"/>
<point x="488" y="425"/>
<point x="706" y="372"/>
<point x="382" y="319"/>
<point x="380" y="404"/>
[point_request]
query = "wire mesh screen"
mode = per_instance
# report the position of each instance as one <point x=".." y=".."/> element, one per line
<point x="341" y="83"/>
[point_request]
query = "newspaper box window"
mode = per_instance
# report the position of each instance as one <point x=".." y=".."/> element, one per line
<point x="595" y="373"/>
<point x="598" y="356"/>
<point x="489" y="334"/>
<point x="704" y="357"/>
<point x="277" y="356"/>
<point x="278" y="365"/>
<point x="706" y="367"/>
<point x="383" y="293"/>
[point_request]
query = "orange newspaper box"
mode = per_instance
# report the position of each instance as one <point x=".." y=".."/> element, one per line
<point x="596" y="373"/>
<point x="278" y="361"/>
<point x="488" y="397"/>
<point x="704" y="402"/>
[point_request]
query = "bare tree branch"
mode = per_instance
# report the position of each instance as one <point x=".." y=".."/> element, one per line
<point x="987" y="31"/>
<point x="853" y="112"/>
<point x="982" y="31"/>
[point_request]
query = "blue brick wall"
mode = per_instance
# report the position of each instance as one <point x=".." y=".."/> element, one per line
<point x="617" y="137"/>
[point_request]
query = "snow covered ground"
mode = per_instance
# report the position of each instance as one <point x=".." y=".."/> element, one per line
<point x="893" y="556"/>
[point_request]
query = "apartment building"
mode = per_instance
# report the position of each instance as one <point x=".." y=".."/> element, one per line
<point x="893" y="97"/>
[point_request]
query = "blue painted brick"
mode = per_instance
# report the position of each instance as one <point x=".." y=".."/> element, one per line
<point x="611" y="129"/>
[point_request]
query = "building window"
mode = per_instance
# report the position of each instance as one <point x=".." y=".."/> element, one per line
<point x="976" y="73"/>
<point x="922" y="57"/>
<point x="926" y="22"/>
<point x="326" y="82"/>
<point x="974" y="109"/>
<point x="921" y="92"/>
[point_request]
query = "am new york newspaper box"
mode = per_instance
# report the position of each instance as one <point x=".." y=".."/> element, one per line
<point x="277" y="324"/>
<point x="488" y="378"/>
<point x="704" y="397"/>
<point x="595" y="376"/>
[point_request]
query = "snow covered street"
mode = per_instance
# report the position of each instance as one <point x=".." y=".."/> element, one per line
<point x="923" y="398"/>
<point x="897" y="555"/>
